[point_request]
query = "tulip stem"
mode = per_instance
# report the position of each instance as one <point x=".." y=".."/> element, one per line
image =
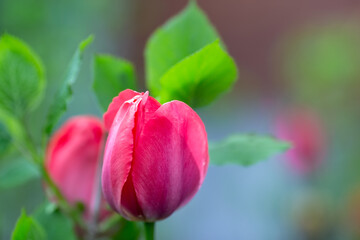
<point x="149" y="230"/>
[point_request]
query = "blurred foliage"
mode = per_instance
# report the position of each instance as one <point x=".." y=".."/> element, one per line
<point x="52" y="28"/>
<point x="322" y="64"/>
<point x="111" y="76"/>
<point x="15" y="172"/>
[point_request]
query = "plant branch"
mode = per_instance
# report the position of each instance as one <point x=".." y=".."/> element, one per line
<point x="92" y="225"/>
<point x="38" y="159"/>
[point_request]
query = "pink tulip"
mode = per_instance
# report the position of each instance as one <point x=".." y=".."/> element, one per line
<point x="72" y="160"/>
<point x="304" y="130"/>
<point x="156" y="156"/>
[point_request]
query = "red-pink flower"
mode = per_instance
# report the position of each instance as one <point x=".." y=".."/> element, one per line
<point x="304" y="130"/>
<point x="156" y="156"/>
<point x="72" y="160"/>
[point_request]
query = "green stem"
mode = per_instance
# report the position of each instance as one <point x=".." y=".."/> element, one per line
<point x="149" y="230"/>
<point x="63" y="204"/>
<point x="38" y="159"/>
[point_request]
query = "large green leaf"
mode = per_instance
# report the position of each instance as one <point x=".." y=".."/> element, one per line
<point x="63" y="96"/>
<point x="180" y="37"/>
<point x="200" y="78"/>
<point x="17" y="172"/>
<point x="56" y="225"/>
<point x="22" y="78"/>
<point x="245" y="150"/>
<point x="111" y="76"/>
<point x="27" y="228"/>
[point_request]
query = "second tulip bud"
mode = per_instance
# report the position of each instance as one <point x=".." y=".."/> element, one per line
<point x="72" y="161"/>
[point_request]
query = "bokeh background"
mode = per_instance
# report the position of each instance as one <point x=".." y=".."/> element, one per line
<point x="292" y="55"/>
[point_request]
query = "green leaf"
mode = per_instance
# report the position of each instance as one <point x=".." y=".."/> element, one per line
<point x="16" y="172"/>
<point x="56" y="225"/>
<point x="111" y="76"/>
<point x="180" y="37"/>
<point x="63" y="96"/>
<point x="200" y="78"/>
<point x="245" y="150"/>
<point x="28" y="228"/>
<point x="5" y="139"/>
<point x="22" y="77"/>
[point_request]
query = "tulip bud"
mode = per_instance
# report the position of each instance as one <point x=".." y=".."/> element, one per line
<point x="156" y="156"/>
<point x="72" y="160"/>
<point x="304" y="130"/>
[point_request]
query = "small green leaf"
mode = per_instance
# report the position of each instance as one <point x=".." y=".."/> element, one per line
<point x="200" y="78"/>
<point x="56" y="225"/>
<point x="245" y="150"/>
<point x="180" y="37"/>
<point x="111" y="76"/>
<point x="22" y="77"/>
<point x="27" y="228"/>
<point x="63" y="96"/>
<point x="16" y="172"/>
<point x="5" y="139"/>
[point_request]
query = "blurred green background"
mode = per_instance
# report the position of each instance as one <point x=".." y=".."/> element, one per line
<point x="291" y="54"/>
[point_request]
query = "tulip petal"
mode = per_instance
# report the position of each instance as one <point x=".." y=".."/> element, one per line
<point x="119" y="153"/>
<point x="129" y="204"/>
<point x="146" y="109"/>
<point x="117" y="181"/>
<point x="170" y="160"/>
<point x="116" y="104"/>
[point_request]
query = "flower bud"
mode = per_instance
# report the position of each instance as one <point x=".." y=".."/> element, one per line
<point x="72" y="160"/>
<point x="156" y="156"/>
